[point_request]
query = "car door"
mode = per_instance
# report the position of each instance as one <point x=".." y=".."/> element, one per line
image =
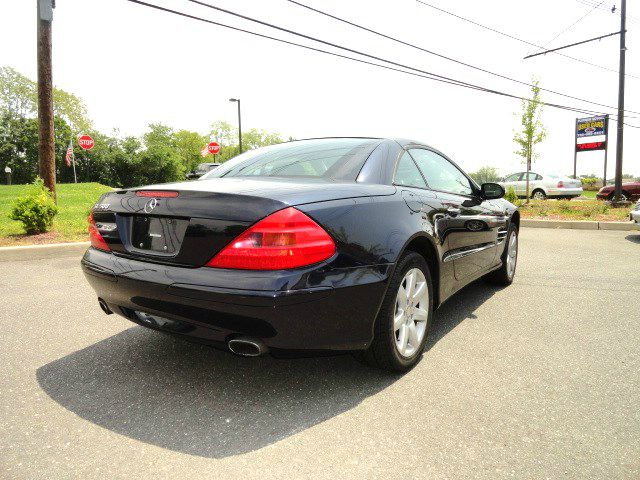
<point x="520" y="185"/>
<point x="510" y="181"/>
<point x="469" y="224"/>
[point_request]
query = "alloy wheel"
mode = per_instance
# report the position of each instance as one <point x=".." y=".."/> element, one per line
<point x="512" y="254"/>
<point x="411" y="312"/>
<point x="538" y="195"/>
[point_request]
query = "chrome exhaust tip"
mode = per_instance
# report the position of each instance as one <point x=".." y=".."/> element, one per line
<point x="103" y="305"/>
<point x="247" y="347"/>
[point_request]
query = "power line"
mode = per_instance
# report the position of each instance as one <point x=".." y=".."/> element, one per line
<point x="431" y="52"/>
<point x="427" y="75"/>
<point x="351" y="50"/>
<point x="331" y="44"/>
<point x="613" y="9"/>
<point x="319" y="50"/>
<point x="573" y="24"/>
<point x="513" y="37"/>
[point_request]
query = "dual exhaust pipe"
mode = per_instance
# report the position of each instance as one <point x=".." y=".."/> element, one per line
<point x="243" y="346"/>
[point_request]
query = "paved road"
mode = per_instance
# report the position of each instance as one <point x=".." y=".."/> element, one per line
<point x="539" y="380"/>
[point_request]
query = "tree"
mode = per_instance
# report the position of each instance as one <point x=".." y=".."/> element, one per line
<point x="485" y="175"/>
<point x="17" y="93"/>
<point x="18" y="97"/>
<point x="533" y="132"/>
<point x="188" y="146"/>
<point x="72" y="109"/>
<point x="227" y="136"/>
<point x="19" y="146"/>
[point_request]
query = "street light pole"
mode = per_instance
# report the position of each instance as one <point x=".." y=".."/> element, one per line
<point x="623" y="26"/>
<point x="237" y="100"/>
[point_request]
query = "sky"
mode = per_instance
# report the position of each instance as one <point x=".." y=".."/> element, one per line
<point x="133" y="66"/>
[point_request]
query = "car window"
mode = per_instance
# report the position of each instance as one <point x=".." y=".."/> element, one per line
<point x="440" y="173"/>
<point x="512" y="178"/>
<point x="408" y="174"/>
<point x="332" y="158"/>
<point x="532" y="176"/>
<point x="538" y="177"/>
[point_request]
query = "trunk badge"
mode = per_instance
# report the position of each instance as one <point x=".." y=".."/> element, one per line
<point x="150" y="205"/>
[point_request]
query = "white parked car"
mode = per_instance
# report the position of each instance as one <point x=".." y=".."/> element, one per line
<point x="549" y="185"/>
<point x="634" y="216"/>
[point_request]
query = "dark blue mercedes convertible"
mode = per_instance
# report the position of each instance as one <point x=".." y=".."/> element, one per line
<point x="333" y="244"/>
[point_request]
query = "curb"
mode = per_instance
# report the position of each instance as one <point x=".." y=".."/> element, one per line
<point x="48" y="250"/>
<point x="578" y="224"/>
<point x="59" y="250"/>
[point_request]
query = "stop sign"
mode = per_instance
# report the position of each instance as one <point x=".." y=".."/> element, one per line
<point x="86" y="142"/>
<point x="213" y="148"/>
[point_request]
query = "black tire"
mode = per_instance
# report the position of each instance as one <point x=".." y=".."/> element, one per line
<point x="383" y="353"/>
<point x="502" y="276"/>
<point x="537" y="190"/>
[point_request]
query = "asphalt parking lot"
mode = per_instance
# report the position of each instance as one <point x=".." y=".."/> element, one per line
<point x="538" y="380"/>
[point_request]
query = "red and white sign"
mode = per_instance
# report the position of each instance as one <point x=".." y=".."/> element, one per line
<point x="86" y="142"/>
<point x="213" y="148"/>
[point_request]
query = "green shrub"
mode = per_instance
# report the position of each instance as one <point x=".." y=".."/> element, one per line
<point x="35" y="209"/>
<point x="590" y="183"/>
<point x="511" y="196"/>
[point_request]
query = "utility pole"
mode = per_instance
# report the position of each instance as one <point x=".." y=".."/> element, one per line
<point x="46" y="143"/>
<point x="606" y="149"/>
<point x="620" y="138"/>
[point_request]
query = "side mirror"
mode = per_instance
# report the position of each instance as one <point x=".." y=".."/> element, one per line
<point x="491" y="191"/>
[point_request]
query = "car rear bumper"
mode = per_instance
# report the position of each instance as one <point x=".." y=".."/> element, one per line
<point x="319" y="309"/>
<point x="564" y="192"/>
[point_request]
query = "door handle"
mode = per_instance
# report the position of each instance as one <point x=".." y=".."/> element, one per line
<point x="453" y="212"/>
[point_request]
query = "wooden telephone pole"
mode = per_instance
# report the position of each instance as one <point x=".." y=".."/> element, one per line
<point x="621" y="73"/>
<point x="46" y="143"/>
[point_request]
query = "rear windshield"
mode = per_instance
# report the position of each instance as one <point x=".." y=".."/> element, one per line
<point x="332" y="159"/>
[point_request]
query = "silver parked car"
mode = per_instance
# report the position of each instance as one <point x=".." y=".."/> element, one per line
<point x="635" y="214"/>
<point x="550" y="185"/>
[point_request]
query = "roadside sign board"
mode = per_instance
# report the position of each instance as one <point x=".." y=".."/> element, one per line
<point x="586" y="129"/>
<point x="589" y="146"/>
<point x="591" y="126"/>
<point x="86" y="142"/>
<point x="213" y="148"/>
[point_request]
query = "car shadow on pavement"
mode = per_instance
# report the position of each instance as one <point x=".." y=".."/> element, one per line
<point x="458" y="308"/>
<point x="633" y="238"/>
<point x="197" y="400"/>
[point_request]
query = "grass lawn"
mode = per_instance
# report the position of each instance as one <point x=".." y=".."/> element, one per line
<point x="587" y="194"/>
<point x="70" y="225"/>
<point x="573" y="210"/>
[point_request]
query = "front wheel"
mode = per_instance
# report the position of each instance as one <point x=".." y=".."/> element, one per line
<point x="623" y="196"/>
<point x="405" y="316"/>
<point x="538" y="195"/>
<point x="504" y="275"/>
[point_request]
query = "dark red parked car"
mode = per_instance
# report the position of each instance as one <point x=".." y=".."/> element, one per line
<point x="630" y="190"/>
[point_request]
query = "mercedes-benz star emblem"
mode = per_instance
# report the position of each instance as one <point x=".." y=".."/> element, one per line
<point x="150" y="205"/>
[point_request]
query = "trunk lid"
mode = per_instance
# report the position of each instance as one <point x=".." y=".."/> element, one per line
<point x="190" y="228"/>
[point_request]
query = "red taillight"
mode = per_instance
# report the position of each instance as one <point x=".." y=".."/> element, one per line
<point x="94" y="235"/>
<point x="285" y="239"/>
<point x="157" y="193"/>
<point x="560" y="184"/>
